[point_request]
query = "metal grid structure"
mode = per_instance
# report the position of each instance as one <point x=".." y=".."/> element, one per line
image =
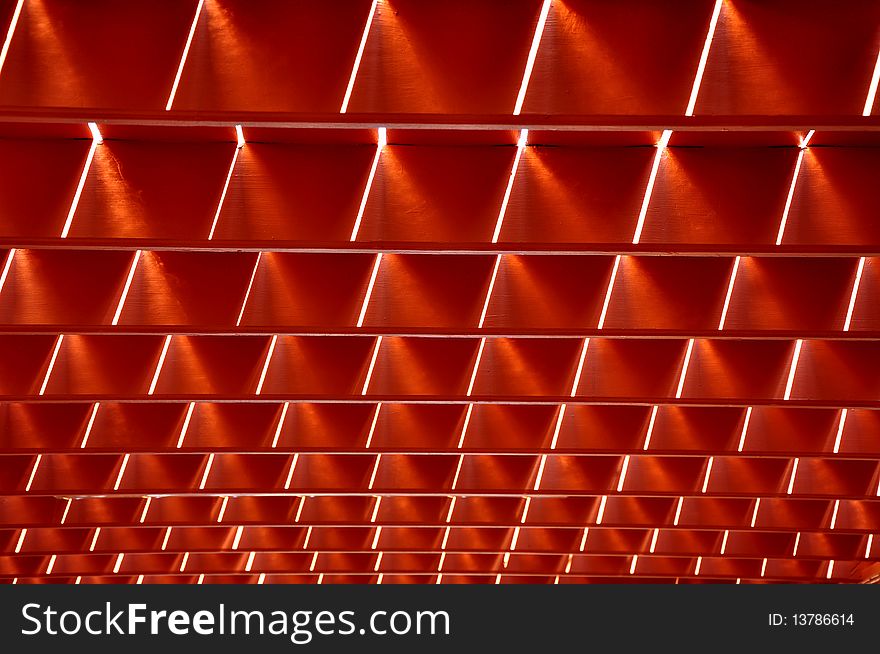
<point x="471" y="291"/>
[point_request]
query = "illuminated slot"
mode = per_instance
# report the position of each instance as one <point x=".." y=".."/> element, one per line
<point x="381" y="575"/>
<point x="834" y="514"/>
<point x="266" y="364"/>
<point x="320" y="576"/>
<point x="183" y="429"/>
<point x="869" y="101"/>
<point x="520" y="148"/>
<point x="697" y="567"/>
<point x="284" y="409"/>
<point x="165" y="345"/>
<point x="189" y="39"/>
<point x="262" y="578"/>
<point x="498" y="579"/>
<point x="222" y="509"/>
<point x="51" y="565"/>
<point x="580" y="367"/>
<point x="515" y="538"/>
<point x="684" y="367"/>
<point x="708" y="472"/>
<point x="166" y="538"/>
<point x="540" y="471"/>
<point x="357" y="58"/>
<point x="525" y="513"/>
<point x="184" y="561"/>
<point x="601" y="513"/>
<point x="649" y="190"/>
<point x="6" y="266"/>
<point x="118" y="563"/>
<point x="457" y="473"/>
<point x="94" y="539"/>
<point x="650" y="427"/>
<point x="470" y="388"/>
<point x="745" y="429"/>
<point x="293" y="463"/>
<point x="558" y="427"/>
<point x="805" y="142"/>
<point x="308" y="536"/>
<point x="34" y="473"/>
<point x="66" y="510"/>
<point x="583" y="544"/>
<point x="372" y="365"/>
<point x="533" y="53"/>
<point x="489" y="291"/>
<point x="381" y="141"/>
<point x="201" y="579"/>
<point x="126" y="288"/>
<point x="724" y="541"/>
<point x="729" y="294"/>
<point x="97" y="139"/>
<point x="376" y="537"/>
<point x="505" y="560"/>
<point x="556" y="580"/>
<point x="854" y="294"/>
<point x="373" y="425"/>
<point x="797" y="542"/>
<point x="247" y="293"/>
<point x="20" y="541"/>
<point x="375" y="470"/>
<point x="464" y="427"/>
<point x="250" y="562"/>
<point x="755" y="512"/>
<point x="868" y="546"/>
<point x="55" y="351"/>
<point x="89" y="425"/>
<point x="121" y="471"/>
<point x="376" y="508"/>
<point x="795" y="357"/>
<point x="763" y="567"/>
<point x="704" y="56"/>
<point x="635" y="561"/>
<point x="608" y="291"/>
<point x="8" y="41"/>
<point x="678" y="511"/>
<point x="443" y="545"/>
<point x="451" y="509"/>
<point x="788" y="199"/>
<point x="654" y="540"/>
<point x="140" y="580"/>
<point x="237" y="539"/>
<point x="623" y="473"/>
<point x="146" y="509"/>
<point x="830" y="569"/>
<point x="568" y="564"/>
<point x="299" y="509"/>
<point x="239" y="137"/>
<point x="439" y="579"/>
<point x="207" y="471"/>
<point x="312" y="566"/>
<point x="794" y="468"/>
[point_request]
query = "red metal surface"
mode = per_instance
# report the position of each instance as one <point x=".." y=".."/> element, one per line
<point x="309" y="350"/>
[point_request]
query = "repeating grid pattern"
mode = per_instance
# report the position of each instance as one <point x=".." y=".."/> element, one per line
<point x="245" y="341"/>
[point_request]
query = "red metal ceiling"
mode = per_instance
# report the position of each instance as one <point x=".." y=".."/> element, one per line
<point x="512" y="339"/>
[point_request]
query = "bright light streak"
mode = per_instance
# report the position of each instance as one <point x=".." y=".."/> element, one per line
<point x="601" y="513"/>
<point x="580" y="367"/>
<point x="830" y="569"/>
<point x="470" y="388"/>
<point x="146" y="509"/>
<point x="125" y="289"/>
<point x="520" y="148"/>
<point x="632" y="567"/>
<point x="284" y="409"/>
<point x="533" y="53"/>
<point x="608" y="291"/>
<point x="623" y="473"/>
<point x="239" y="137"/>
<point x="789" y="197"/>
<point x="652" y="178"/>
<point x="678" y="511"/>
<point x="375" y="470"/>
<point x="745" y="429"/>
<point x="704" y="56"/>
<point x="654" y="540"/>
<point x="381" y="141"/>
<point x="793" y="370"/>
<point x="684" y="367"/>
<point x="724" y="540"/>
<point x="159" y="365"/>
<point x="266" y="364"/>
<point x="872" y="89"/>
<point x="373" y="425"/>
<point x="489" y="291"/>
<point x="699" y="564"/>
<point x="464" y="427"/>
<point x="755" y="512"/>
<point x="293" y="463"/>
<point x="797" y="542"/>
<point x="6" y="267"/>
<point x="834" y="514"/>
<point x="247" y="293"/>
<point x="650" y="430"/>
<point x="51" y="565"/>
<point x="729" y="292"/>
<point x="372" y="365"/>
<point x="840" y="426"/>
<point x="540" y="471"/>
<point x="558" y="427"/>
<point x="237" y="539"/>
<point x="369" y="292"/>
<point x="11" y="31"/>
<point x="223" y="192"/>
<point x="358" y="57"/>
<point x="185" y="427"/>
<point x="96" y="141"/>
<point x="791" y="479"/>
<point x="33" y="473"/>
<point x="708" y="473"/>
<point x="855" y="291"/>
<point x="222" y="509"/>
<point x="583" y="544"/>
<point x="20" y="542"/>
<point x="89" y="425"/>
<point x="189" y="39"/>
<point x="121" y="471"/>
<point x="166" y="538"/>
<point x="54" y="356"/>
<point x="805" y="142"/>
<point x="207" y="471"/>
